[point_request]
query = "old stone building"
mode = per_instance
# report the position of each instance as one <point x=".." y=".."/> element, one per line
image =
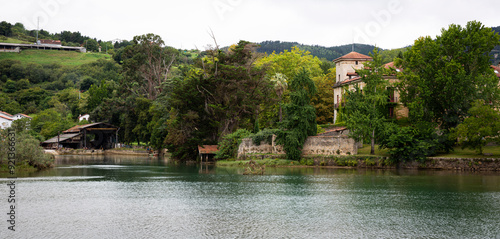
<point x="347" y="79"/>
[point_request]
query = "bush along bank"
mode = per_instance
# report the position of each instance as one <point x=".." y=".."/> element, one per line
<point x="373" y="162"/>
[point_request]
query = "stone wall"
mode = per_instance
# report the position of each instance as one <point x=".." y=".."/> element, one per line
<point x="314" y="145"/>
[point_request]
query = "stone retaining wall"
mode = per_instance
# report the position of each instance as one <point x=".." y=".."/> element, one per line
<point x="314" y="145"/>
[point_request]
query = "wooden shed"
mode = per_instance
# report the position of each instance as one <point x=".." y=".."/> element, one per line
<point x="207" y="152"/>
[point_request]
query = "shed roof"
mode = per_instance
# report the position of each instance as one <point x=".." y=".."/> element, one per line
<point x="62" y="138"/>
<point x="208" y="149"/>
<point x="77" y="128"/>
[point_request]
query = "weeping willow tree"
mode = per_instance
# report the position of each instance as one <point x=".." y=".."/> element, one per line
<point x="300" y="116"/>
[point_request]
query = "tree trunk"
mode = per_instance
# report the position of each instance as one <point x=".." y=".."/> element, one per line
<point x="372" y="151"/>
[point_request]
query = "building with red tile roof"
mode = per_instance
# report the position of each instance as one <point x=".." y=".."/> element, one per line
<point x="347" y="78"/>
<point x="5" y="121"/>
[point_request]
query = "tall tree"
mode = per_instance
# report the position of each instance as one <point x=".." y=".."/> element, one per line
<point x="215" y="98"/>
<point x="441" y="78"/>
<point x="147" y="65"/>
<point x="300" y="120"/>
<point x="365" y="104"/>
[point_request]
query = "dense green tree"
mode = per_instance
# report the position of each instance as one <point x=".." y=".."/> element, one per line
<point x="50" y="122"/>
<point x="9" y="105"/>
<point x="441" y="78"/>
<point x="87" y="82"/>
<point x="323" y="100"/>
<point x="5" y="29"/>
<point x="92" y="45"/>
<point x="300" y="119"/>
<point x="289" y="63"/>
<point x="365" y="105"/>
<point x="222" y="93"/>
<point x="146" y="65"/>
<point x="97" y="93"/>
<point x="481" y="127"/>
<point x="22" y="84"/>
<point x="9" y="86"/>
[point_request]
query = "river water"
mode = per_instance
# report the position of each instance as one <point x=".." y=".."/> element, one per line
<point x="124" y="197"/>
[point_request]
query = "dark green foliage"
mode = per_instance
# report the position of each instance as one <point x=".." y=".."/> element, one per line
<point x="5" y="29"/>
<point x="215" y="98"/>
<point x="28" y="150"/>
<point x="300" y="119"/>
<point x="329" y="53"/>
<point x="9" y="86"/>
<point x="228" y="146"/>
<point x="365" y="108"/>
<point x="442" y="78"/>
<point x="96" y="95"/>
<point x="265" y="135"/>
<point x="480" y="128"/>
<point x="412" y="143"/>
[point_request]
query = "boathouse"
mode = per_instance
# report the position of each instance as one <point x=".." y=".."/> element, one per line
<point x="207" y="152"/>
<point x="90" y="136"/>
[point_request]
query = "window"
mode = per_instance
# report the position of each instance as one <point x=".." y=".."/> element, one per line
<point x="356" y="62"/>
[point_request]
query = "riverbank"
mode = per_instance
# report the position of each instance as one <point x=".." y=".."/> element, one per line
<point x="133" y="152"/>
<point x="369" y="162"/>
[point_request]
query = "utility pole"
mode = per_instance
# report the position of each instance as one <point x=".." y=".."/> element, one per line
<point x="37" y="29"/>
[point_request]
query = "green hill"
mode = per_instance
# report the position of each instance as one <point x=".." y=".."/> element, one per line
<point x="44" y="57"/>
<point x="329" y="53"/>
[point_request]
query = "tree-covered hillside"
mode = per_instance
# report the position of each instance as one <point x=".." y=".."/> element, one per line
<point x="329" y="53"/>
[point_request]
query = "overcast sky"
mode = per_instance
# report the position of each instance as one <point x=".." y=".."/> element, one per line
<point x="185" y="23"/>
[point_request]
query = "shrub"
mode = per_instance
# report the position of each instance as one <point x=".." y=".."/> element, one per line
<point x="228" y="146"/>
<point x="28" y="151"/>
<point x="265" y="135"/>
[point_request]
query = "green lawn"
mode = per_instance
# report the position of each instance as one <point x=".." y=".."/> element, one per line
<point x="378" y="152"/>
<point x="14" y="40"/>
<point x="458" y="152"/>
<point x="65" y="58"/>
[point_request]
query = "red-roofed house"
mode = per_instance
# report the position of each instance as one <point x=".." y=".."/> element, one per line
<point x="5" y="121"/>
<point x="347" y="78"/>
<point x="20" y="116"/>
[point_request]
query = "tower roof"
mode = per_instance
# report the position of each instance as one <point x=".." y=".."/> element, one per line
<point x="353" y="56"/>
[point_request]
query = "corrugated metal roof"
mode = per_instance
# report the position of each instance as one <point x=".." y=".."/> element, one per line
<point x="62" y="137"/>
<point x="77" y="128"/>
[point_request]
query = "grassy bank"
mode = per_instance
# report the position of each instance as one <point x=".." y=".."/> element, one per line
<point x="65" y="58"/>
<point x="458" y="152"/>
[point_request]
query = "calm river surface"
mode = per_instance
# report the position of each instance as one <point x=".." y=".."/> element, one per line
<point x="124" y="197"/>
